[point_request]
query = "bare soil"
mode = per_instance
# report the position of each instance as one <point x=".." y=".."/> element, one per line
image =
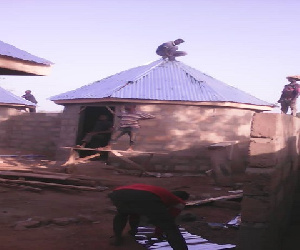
<point x="66" y="219"/>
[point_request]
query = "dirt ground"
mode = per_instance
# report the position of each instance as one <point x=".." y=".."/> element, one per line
<point x="48" y="218"/>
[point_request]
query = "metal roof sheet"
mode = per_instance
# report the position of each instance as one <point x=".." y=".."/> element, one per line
<point x="162" y="80"/>
<point x="12" y="51"/>
<point x="9" y="98"/>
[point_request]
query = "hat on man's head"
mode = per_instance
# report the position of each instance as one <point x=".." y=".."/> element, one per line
<point x="296" y="78"/>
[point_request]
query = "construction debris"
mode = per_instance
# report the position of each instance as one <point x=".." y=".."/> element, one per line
<point x="194" y="242"/>
<point x="36" y="181"/>
<point x="209" y="200"/>
<point x="235" y="222"/>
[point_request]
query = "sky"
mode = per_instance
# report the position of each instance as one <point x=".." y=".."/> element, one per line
<point x="249" y="44"/>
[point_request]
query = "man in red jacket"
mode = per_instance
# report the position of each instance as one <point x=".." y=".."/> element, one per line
<point x="158" y="204"/>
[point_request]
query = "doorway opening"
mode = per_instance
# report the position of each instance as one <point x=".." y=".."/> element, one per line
<point x="89" y="122"/>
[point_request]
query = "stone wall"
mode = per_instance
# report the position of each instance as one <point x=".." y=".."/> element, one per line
<point x="34" y="132"/>
<point x="272" y="175"/>
<point x="5" y="114"/>
<point x="183" y="132"/>
<point x="69" y="130"/>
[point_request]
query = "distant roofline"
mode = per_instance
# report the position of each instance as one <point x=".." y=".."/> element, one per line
<point x="190" y="103"/>
<point x="14" y="66"/>
<point x="14" y="52"/>
<point x="13" y="105"/>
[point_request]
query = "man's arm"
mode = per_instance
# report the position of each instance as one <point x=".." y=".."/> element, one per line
<point x="174" y="211"/>
<point x="296" y="90"/>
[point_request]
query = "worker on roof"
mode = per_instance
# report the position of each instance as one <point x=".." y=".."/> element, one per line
<point x="170" y="50"/>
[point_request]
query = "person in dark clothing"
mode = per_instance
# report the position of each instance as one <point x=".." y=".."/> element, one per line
<point x="29" y="97"/>
<point x="100" y="134"/>
<point x="289" y="95"/>
<point x="159" y="205"/>
<point x="169" y="50"/>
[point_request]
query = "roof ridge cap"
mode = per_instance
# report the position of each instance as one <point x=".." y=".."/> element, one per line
<point x="138" y="77"/>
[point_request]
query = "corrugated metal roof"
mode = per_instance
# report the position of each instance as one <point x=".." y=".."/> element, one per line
<point x="162" y="80"/>
<point x="9" y="98"/>
<point x="12" y="51"/>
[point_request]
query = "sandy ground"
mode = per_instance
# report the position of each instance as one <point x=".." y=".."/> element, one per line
<point x="66" y="219"/>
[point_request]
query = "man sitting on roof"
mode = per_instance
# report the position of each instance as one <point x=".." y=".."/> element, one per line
<point x="169" y="50"/>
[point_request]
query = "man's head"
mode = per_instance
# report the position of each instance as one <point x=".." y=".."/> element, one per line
<point x="181" y="194"/>
<point x="292" y="79"/>
<point x="28" y="92"/>
<point x="178" y="41"/>
<point x="130" y="108"/>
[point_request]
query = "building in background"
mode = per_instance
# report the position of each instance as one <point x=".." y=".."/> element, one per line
<point x="192" y="110"/>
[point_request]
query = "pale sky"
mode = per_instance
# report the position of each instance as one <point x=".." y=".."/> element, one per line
<point x="249" y="44"/>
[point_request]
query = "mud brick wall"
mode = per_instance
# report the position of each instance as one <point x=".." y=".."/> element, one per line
<point x="5" y="114"/>
<point x="36" y="132"/>
<point x="183" y="131"/>
<point x="68" y="131"/>
<point x="272" y="175"/>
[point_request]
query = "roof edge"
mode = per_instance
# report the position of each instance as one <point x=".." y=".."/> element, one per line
<point x="209" y="104"/>
<point x="24" y="66"/>
<point x="13" y="105"/>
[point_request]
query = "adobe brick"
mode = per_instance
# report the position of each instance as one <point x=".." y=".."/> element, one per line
<point x="262" y="181"/>
<point x="264" y="125"/>
<point x="257" y="209"/>
<point x="263" y="153"/>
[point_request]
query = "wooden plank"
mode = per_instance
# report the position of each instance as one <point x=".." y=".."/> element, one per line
<point x="47" y="177"/>
<point x="33" y="175"/>
<point x="118" y="154"/>
<point x="21" y="187"/>
<point x="53" y="185"/>
<point x="72" y="157"/>
<point x="75" y="160"/>
<point x="121" y="151"/>
<point x="205" y="201"/>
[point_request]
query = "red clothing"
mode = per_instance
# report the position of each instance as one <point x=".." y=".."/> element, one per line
<point x="158" y="204"/>
<point x="170" y="200"/>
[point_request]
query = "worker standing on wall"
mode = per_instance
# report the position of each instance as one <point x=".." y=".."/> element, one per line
<point x="29" y="97"/>
<point x="289" y="95"/>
